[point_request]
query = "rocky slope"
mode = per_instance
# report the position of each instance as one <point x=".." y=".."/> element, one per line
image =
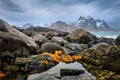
<point x="35" y="53"/>
<point x="59" y="25"/>
<point x="84" y="22"/>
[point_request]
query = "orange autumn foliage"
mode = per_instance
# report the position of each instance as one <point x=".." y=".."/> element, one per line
<point x="45" y="62"/>
<point x="2" y="75"/>
<point x="77" y="57"/>
<point x="66" y="58"/>
<point x="58" y="56"/>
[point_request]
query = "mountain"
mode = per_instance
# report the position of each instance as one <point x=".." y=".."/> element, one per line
<point x="85" y="22"/>
<point x="102" y="25"/>
<point x="89" y="23"/>
<point x="59" y="25"/>
<point x="62" y="26"/>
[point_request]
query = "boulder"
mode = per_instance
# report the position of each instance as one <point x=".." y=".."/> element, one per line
<point x="45" y="30"/>
<point x="55" y="73"/>
<point x="39" y="63"/>
<point x="21" y="60"/>
<point x="109" y="41"/>
<point x="23" y="52"/>
<point x="104" y="56"/>
<point x="17" y="57"/>
<point x="16" y="76"/>
<point x="32" y="64"/>
<point x="115" y="77"/>
<point x="82" y="36"/>
<point x="97" y="51"/>
<point x="11" y="37"/>
<point x="10" y="68"/>
<point x="8" y="40"/>
<point x="40" y="39"/>
<point x="51" y="47"/>
<point x="117" y="40"/>
<point x="113" y="62"/>
<point x="73" y="48"/>
<point x="98" y="72"/>
<point x="49" y="33"/>
<point x="59" y="40"/>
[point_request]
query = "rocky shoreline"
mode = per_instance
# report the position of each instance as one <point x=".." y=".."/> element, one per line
<point x="38" y="53"/>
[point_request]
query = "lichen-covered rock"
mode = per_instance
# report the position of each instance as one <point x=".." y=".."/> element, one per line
<point x="104" y="56"/>
<point x="23" y="52"/>
<point x="40" y="39"/>
<point x="38" y="63"/>
<point x="82" y="36"/>
<point x="113" y="62"/>
<point x="16" y="59"/>
<point x="7" y="53"/>
<point x="16" y="76"/>
<point x="73" y="48"/>
<point x="6" y="57"/>
<point x="98" y="72"/>
<point x="51" y="47"/>
<point x="117" y="40"/>
<point x="21" y="61"/>
<point x="115" y="77"/>
<point x="69" y="52"/>
<point x="97" y="51"/>
<point x="109" y="41"/>
<point x="59" y="40"/>
<point x="10" y="68"/>
<point x="49" y="35"/>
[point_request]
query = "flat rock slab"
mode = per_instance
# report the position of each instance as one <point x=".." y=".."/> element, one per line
<point x="54" y="73"/>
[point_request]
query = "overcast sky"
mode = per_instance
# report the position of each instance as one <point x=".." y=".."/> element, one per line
<point x="40" y="12"/>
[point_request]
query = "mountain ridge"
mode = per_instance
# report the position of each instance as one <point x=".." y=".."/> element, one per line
<point x="85" y="22"/>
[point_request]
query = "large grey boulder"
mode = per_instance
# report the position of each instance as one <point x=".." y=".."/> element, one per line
<point x="11" y="37"/>
<point x="51" y="47"/>
<point x="54" y="73"/>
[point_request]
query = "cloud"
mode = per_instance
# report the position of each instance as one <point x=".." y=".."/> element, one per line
<point x="37" y="12"/>
<point x="9" y="6"/>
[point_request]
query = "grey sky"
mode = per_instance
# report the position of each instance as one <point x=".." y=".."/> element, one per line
<point x="40" y="12"/>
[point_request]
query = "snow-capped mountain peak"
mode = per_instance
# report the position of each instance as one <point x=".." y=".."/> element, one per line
<point x="85" y="22"/>
<point x="101" y="23"/>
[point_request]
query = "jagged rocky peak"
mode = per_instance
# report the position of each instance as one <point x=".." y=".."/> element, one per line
<point x="59" y="25"/>
<point x="91" y="24"/>
<point x="101" y="23"/>
<point x="27" y="25"/>
<point x="85" y="19"/>
<point x="86" y="22"/>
